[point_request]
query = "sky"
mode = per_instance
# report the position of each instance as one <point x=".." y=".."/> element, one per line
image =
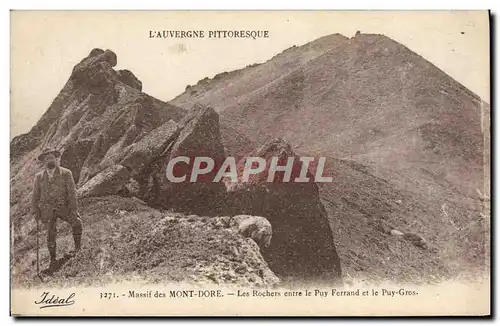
<point x="45" y="45"/>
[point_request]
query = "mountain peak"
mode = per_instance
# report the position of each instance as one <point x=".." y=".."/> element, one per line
<point x="96" y="71"/>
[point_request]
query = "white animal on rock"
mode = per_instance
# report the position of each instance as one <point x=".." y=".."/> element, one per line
<point x="257" y="228"/>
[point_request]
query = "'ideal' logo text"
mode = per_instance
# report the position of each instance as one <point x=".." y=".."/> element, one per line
<point x="48" y="300"/>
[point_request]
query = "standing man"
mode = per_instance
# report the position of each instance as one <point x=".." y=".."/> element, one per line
<point x="54" y="196"/>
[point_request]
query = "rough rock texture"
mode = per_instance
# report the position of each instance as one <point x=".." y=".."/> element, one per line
<point x="74" y="156"/>
<point x="302" y="246"/>
<point x="108" y="182"/>
<point x="138" y="156"/>
<point x="127" y="77"/>
<point x="196" y="134"/>
<point x="199" y="137"/>
<point x="96" y="71"/>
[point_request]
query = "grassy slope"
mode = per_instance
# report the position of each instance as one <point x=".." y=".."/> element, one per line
<point x="364" y="207"/>
<point x="126" y="240"/>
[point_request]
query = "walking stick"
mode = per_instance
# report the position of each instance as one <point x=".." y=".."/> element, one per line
<point x="38" y="249"/>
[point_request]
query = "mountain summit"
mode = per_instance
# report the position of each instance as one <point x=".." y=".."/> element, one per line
<point x="365" y="98"/>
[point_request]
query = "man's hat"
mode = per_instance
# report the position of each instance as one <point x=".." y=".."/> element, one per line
<point x="48" y="151"/>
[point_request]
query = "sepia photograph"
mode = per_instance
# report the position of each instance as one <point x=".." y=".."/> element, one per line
<point x="279" y="163"/>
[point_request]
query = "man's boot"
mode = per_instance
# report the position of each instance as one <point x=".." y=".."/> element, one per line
<point x="53" y="260"/>
<point x="77" y="238"/>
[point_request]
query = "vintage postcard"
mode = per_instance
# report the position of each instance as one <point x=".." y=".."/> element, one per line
<point x="250" y="163"/>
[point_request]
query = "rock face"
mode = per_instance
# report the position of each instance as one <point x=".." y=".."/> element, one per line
<point x="108" y="182"/>
<point x="139" y="156"/>
<point x="302" y="245"/>
<point x="199" y="137"/>
<point x="197" y="134"/>
<point x="127" y="77"/>
<point x="96" y="71"/>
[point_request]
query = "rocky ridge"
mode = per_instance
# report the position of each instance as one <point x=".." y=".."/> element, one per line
<point x="117" y="141"/>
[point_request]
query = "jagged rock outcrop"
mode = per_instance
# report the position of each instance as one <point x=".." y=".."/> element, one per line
<point x="146" y="159"/>
<point x="96" y="71"/>
<point x="108" y="182"/>
<point x="302" y="245"/>
<point x="139" y="156"/>
<point x="199" y="137"/>
<point x="98" y="114"/>
<point x="127" y="77"/>
<point x="195" y="135"/>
